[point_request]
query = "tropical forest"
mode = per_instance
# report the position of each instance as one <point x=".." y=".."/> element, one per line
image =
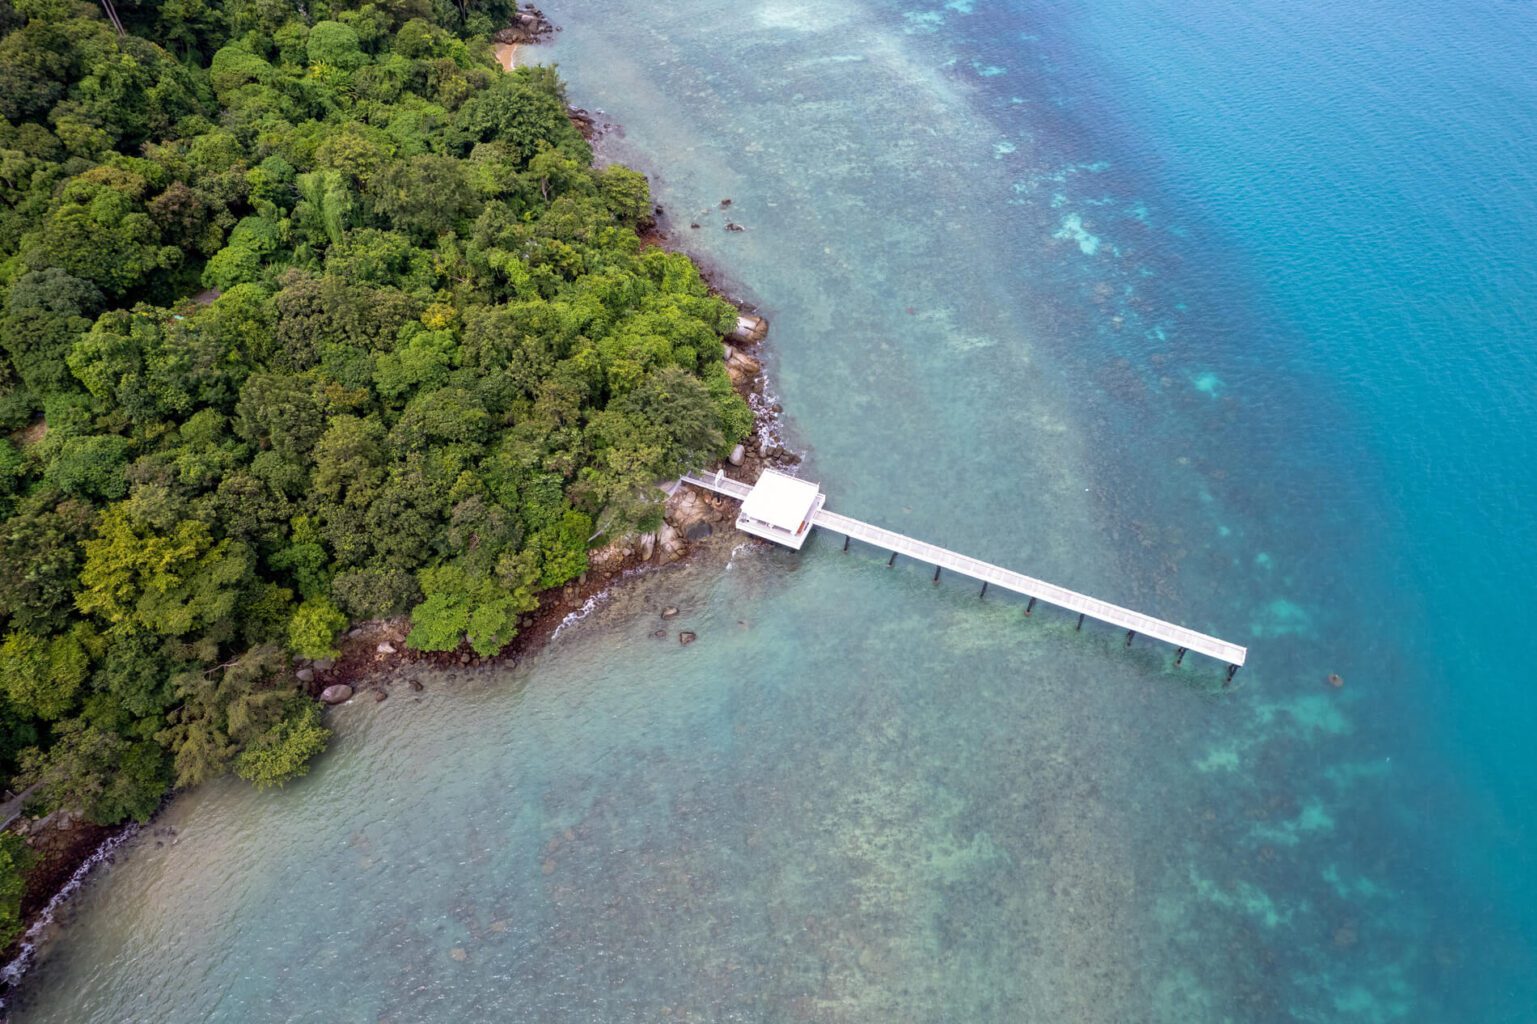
<point x="312" y="315"/>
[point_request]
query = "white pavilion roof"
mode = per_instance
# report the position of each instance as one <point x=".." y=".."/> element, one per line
<point x="781" y="501"/>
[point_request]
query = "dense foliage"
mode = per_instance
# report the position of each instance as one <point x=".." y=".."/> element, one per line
<point x="16" y="858"/>
<point x="430" y="364"/>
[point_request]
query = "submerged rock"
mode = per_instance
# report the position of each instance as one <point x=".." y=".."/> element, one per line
<point x="1336" y="680"/>
<point x="699" y="531"/>
<point x="416" y="686"/>
<point x="379" y="694"/>
<point x="685" y="638"/>
<point x="336" y="693"/>
<point x="670" y="612"/>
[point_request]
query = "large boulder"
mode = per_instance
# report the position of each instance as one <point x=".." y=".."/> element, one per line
<point x="741" y="367"/>
<point x="669" y="543"/>
<point x="749" y="329"/>
<point x="336" y="693"/>
<point x="687" y="507"/>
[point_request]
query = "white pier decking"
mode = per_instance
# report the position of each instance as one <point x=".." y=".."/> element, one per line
<point x="1135" y="623"/>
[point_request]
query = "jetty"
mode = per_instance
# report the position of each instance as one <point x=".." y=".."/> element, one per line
<point x="784" y="509"/>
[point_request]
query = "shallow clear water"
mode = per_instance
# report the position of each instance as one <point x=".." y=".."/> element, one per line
<point x="1221" y="313"/>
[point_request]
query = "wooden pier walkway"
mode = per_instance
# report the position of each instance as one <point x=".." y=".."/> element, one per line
<point x="1135" y="623"/>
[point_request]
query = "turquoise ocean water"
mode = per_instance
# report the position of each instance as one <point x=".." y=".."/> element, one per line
<point x="1224" y="312"/>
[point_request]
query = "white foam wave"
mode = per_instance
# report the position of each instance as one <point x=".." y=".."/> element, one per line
<point x="13" y="972"/>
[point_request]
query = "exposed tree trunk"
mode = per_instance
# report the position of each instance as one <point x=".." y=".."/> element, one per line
<point x="117" y="22"/>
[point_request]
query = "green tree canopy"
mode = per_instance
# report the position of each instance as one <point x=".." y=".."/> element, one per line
<point x="307" y="316"/>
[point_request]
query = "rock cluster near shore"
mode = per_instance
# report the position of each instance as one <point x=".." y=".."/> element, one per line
<point x="529" y="25"/>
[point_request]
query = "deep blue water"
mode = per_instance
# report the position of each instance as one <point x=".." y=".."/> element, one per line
<point x="1334" y="208"/>
<point x="1222" y="311"/>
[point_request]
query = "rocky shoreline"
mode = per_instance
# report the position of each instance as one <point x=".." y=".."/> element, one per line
<point x="373" y="654"/>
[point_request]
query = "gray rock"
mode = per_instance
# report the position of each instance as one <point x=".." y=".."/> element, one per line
<point x="670" y="612"/>
<point x="750" y="329"/>
<point x="336" y="693"/>
<point x="305" y="675"/>
<point x="386" y="648"/>
<point x="738" y="454"/>
<point x="647" y="546"/>
<point x="685" y="638"/>
<point x="699" y="531"/>
<point x="324" y="664"/>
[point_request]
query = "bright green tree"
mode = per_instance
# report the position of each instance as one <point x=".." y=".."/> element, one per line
<point x="284" y="752"/>
<point x="313" y="628"/>
<point x="171" y="583"/>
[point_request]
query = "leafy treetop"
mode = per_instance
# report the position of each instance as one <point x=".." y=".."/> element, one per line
<point x="428" y="363"/>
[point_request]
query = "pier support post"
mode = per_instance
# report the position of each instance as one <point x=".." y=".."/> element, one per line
<point x="936" y="574"/>
<point x="1129" y="634"/>
<point x="1232" y="670"/>
<point x="845" y="542"/>
<point x="1030" y="607"/>
<point x="1079" y="628"/>
<point x="984" y="590"/>
<point x="892" y="560"/>
<point x="1179" y="656"/>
